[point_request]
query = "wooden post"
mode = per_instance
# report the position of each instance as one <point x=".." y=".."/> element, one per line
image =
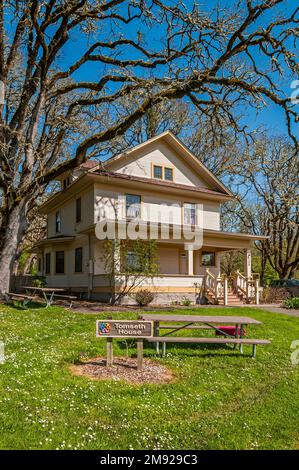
<point x="247" y="263"/>
<point x="256" y="292"/>
<point x="109" y="361"/>
<point x="225" y="289"/>
<point x="139" y="354"/>
<point x="156" y="333"/>
<point x="190" y="263"/>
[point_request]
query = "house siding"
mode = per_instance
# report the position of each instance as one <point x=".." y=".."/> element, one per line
<point x="160" y="153"/>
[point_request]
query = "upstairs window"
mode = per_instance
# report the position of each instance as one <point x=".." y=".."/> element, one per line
<point x="189" y="213"/>
<point x="57" y="222"/>
<point x="168" y="174"/>
<point x="59" y="265"/>
<point x="133" y="206"/>
<point x="79" y="260"/>
<point x="158" y="172"/>
<point x="78" y="210"/>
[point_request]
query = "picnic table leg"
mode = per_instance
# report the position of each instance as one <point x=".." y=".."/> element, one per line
<point x="236" y="334"/>
<point x="241" y="336"/>
<point x="164" y="349"/>
<point x="46" y="299"/>
<point x="156" y="333"/>
<point x="254" y="351"/>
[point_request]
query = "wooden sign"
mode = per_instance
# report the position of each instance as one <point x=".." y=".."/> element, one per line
<point x="124" y="329"/>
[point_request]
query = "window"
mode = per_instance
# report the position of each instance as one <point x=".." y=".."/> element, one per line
<point x="48" y="263"/>
<point x="78" y="260"/>
<point x="39" y="264"/>
<point x="157" y="172"/>
<point x="59" y="262"/>
<point x="78" y="210"/>
<point x="168" y="174"/>
<point x="132" y="262"/>
<point x="66" y="182"/>
<point x="208" y="258"/>
<point x="57" y="222"/>
<point x="133" y="206"/>
<point x="189" y="213"/>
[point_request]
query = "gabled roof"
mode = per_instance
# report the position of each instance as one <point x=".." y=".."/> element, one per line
<point x="160" y="183"/>
<point x="182" y="150"/>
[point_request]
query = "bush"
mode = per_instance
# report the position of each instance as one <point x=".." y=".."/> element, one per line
<point x="274" y="295"/>
<point x="39" y="281"/>
<point x="292" y="302"/>
<point x="186" y="302"/>
<point x="143" y="297"/>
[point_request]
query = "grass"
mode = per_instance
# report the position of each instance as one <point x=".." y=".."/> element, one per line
<point x="220" y="400"/>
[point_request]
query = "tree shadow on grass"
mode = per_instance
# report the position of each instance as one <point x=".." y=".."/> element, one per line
<point x="30" y="306"/>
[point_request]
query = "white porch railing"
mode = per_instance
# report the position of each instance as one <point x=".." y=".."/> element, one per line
<point x="247" y="287"/>
<point x="216" y="288"/>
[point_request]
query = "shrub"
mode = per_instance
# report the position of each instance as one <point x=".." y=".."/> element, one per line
<point x="39" y="282"/>
<point x="143" y="297"/>
<point x="274" y="295"/>
<point x="186" y="301"/>
<point x="292" y="302"/>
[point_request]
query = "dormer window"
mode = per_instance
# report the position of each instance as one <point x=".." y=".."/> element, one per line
<point x="66" y="182"/>
<point x="161" y="172"/>
<point x="158" y="172"/>
<point x="168" y="174"/>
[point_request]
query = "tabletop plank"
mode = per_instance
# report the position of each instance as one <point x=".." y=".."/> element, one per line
<point x="44" y="289"/>
<point x="201" y="319"/>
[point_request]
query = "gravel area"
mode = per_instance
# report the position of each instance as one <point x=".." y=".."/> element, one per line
<point x="124" y="369"/>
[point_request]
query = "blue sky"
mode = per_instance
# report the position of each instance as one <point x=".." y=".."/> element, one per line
<point x="271" y="118"/>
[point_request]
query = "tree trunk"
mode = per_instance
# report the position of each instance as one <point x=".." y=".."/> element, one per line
<point x="14" y="232"/>
<point x="263" y="269"/>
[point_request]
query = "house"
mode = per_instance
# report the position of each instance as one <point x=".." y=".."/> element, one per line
<point x="161" y="183"/>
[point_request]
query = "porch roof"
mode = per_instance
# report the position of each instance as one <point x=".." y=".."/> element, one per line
<point x="51" y="240"/>
<point x="211" y="238"/>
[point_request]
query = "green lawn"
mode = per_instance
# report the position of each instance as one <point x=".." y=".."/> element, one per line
<point x="220" y="400"/>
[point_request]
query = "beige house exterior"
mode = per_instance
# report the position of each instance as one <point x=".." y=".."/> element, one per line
<point x="167" y="186"/>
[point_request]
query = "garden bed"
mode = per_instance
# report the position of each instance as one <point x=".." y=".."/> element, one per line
<point x="124" y="369"/>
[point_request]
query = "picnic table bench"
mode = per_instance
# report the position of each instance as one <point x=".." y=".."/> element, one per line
<point x="206" y="322"/>
<point x="49" y="294"/>
<point x="25" y="299"/>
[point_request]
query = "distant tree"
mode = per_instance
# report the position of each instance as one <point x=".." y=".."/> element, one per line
<point x="231" y="261"/>
<point x="269" y="202"/>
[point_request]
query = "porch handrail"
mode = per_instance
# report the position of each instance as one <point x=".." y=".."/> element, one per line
<point x="216" y="286"/>
<point x="248" y="286"/>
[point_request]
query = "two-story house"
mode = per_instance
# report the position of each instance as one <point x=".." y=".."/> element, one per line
<point x="161" y="183"/>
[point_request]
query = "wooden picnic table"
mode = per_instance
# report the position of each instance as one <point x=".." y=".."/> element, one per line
<point x="209" y="321"/>
<point x="47" y="292"/>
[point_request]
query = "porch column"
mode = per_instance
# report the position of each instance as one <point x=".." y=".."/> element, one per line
<point x="247" y="262"/>
<point x="190" y="263"/>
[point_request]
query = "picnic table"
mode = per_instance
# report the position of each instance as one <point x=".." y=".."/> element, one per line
<point x="47" y="292"/>
<point x="202" y="322"/>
